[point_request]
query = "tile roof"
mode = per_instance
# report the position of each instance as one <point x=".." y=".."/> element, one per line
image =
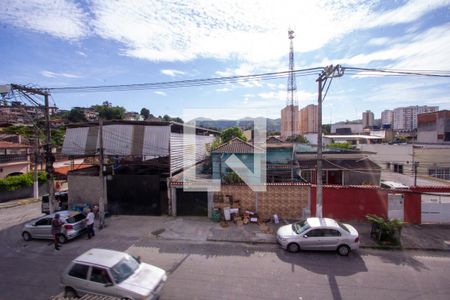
<point x="237" y="145"/>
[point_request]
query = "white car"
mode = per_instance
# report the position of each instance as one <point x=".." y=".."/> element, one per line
<point x="112" y="273"/>
<point x="318" y="234"/>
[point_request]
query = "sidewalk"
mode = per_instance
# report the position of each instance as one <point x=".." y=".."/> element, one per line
<point x="18" y="202"/>
<point x="414" y="237"/>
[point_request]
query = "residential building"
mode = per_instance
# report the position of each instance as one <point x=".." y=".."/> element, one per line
<point x="289" y="121"/>
<point x="387" y="118"/>
<point x="405" y="118"/>
<point x="140" y="159"/>
<point x="133" y="116"/>
<point x="431" y="160"/>
<point x="308" y="120"/>
<point x="90" y="114"/>
<point x="348" y="127"/>
<point x="17" y="112"/>
<point x="367" y="119"/>
<point x="434" y="127"/>
<point x="14" y="158"/>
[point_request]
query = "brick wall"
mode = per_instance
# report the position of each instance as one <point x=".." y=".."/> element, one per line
<point x="287" y="201"/>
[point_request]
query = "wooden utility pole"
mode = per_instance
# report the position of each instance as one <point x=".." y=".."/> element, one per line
<point x="329" y="72"/>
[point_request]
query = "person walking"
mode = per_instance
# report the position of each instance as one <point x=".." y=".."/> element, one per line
<point x="56" y="230"/>
<point x="90" y="224"/>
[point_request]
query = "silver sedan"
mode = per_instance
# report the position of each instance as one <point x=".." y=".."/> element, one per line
<point x="74" y="225"/>
<point x="318" y="234"/>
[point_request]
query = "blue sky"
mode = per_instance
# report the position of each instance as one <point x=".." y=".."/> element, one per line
<point x="102" y="42"/>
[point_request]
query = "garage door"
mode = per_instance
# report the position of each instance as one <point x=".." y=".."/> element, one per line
<point x="436" y="208"/>
<point x="192" y="203"/>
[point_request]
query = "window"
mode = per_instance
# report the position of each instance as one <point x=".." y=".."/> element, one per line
<point x="100" y="275"/>
<point x="315" y="233"/>
<point x="331" y="233"/>
<point x="75" y="218"/>
<point x="79" y="271"/>
<point x="43" y="222"/>
<point x="443" y="173"/>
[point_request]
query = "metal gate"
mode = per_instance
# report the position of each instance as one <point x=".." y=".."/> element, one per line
<point x="134" y="195"/>
<point x="436" y="208"/>
<point x="192" y="203"/>
<point x="396" y="206"/>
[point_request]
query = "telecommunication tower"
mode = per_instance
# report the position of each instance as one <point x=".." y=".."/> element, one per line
<point x="292" y="84"/>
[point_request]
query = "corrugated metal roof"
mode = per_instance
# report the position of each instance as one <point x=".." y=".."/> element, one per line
<point x="365" y="164"/>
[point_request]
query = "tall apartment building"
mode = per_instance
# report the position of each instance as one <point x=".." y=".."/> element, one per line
<point x="387" y="117"/>
<point x="367" y="119"/>
<point x="405" y="118"/>
<point x="289" y="121"/>
<point x="434" y="127"/>
<point x="308" y="120"/>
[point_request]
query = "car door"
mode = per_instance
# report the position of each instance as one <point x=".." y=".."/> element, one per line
<point x="312" y="239"/>
<point x="100" y="282"/>
<point x="77" y="278"/>
<point x="42" y="228"/>
<point x="331" y="239"/>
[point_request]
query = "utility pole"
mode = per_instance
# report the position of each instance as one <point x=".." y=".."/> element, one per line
<point x="416" y="165"/>
<point x="35" y="171"/>
<point x="49" y="158"/>
<point x="102" y="200"/>
<point x="329" y="72"/>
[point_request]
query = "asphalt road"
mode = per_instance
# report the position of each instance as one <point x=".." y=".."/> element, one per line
<point x="199" y="270"/>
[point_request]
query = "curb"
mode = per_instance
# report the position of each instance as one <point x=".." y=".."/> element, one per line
<point x="398" y="248"/>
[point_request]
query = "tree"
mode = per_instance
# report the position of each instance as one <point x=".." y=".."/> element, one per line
<point x="232" y="132"/>
<point x="326" y="128"/>
<point x="76" y="115"/>
<point x="166" y="118"/>
<point x="145" y="113"/>
<point x="298" y="139"/>
<point x="343" y="145"/>
<point x="110" y="113"/>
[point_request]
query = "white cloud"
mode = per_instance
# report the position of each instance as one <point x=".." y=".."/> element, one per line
<point x="381" y="41"/>
<point x="161" y="93"/>
<point x="216" y="29"/>
<point x="82" y="53"/>
<point x="225" y="89"/>
<point x="50" y="74"/>
<point x="171" y="72"/>
<point x="59" y="18"/>
<point x="424" y="51"/>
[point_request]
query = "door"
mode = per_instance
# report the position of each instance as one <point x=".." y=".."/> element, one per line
<point x="100" y="282"/>
<point x="42" y="228"/>
<point x="77" y="278"/>
<point x="436" y="208"/>
<point x="192" y="203"/>
<point x="395" y="206"/>
<point x="312" y="240"/>
<point x="331" y="239"/>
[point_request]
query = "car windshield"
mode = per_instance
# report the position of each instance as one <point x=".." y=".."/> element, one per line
<point x="300" y="227"/>
<point x="342" y="225"/>
<point x="124" y="269"/>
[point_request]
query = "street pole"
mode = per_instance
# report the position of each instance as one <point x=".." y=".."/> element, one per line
<point x="35" y="171"/>
<point x="319" y="150"/>
<point x="49" y="158"/>
<point x="416" y="164"/>
<point x="329" y="72"/>
<point x="102" y="200"/>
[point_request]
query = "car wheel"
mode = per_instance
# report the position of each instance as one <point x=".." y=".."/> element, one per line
<point x="62" y="239"/>
<point x="293" y="247"/>
<point x="70" y="293"/>
<point x="343" y="250"/>
<point x="26" y="236"/>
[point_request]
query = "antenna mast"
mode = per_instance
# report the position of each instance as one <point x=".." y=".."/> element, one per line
<point x="292" y="84"/>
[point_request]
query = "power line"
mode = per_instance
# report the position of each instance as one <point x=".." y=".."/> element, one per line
<point x="429" y="73"/>
<point x="185" y="83"/>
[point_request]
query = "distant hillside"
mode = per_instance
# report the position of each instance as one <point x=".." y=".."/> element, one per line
<point x="247" y="123"/>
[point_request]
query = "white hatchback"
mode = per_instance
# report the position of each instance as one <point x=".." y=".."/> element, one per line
<point x="112" y="273"/>
<point x="318" y="234"/>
